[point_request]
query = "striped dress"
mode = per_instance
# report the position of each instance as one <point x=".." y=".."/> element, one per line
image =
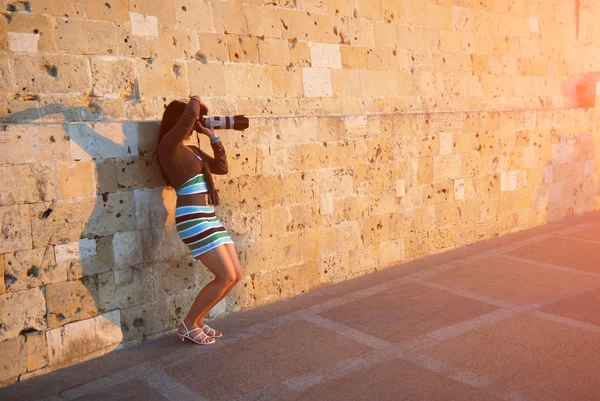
<point x="198" y="226"/>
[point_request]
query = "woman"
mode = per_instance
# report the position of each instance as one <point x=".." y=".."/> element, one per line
<point x="188" y="169"/>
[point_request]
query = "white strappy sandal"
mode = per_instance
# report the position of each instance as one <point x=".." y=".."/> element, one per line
<point x="204" y="341"/>
<point x="208" y="331"/>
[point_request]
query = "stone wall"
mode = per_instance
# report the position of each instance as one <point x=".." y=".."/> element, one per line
<point x="381" y="131"/>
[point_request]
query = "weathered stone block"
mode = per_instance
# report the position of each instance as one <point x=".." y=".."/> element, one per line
<point x="106" y="175"/>
<point x="130" y="44"/>
<point x="162" y="78"/>
<point x="296" y="130"/>
<point x="106" y="215"/>
<point x="446" y="168"/>
<point x="325" y="55"/>
<point x="337" y="182"/>
<point x="317" y="82"/>
<point x="141" y="109"/>
<point x="332" y="29"/>
<point x="85" y="37"/>
<point x="243" y="49"/>
<point x="102" y="140"/>
<point x="14" y="359"/>
<point x="163" y="244"/>
<point x="127" y="248"/>
<point x="286" y="250"/>
<point x="175" y="277"/>
<point x="334" y="268"/>
<point x="326" y="204"/>
<point x="71" y="301"/>
<point x="144" y="320"/>
<point x="55" y="223"/>
<point x="299" y="25"/>
<point x="147" y="135"/>
<point x="262" y="192"/>
<point x="376" y="229"/>
<point x="275" y="221"/>
<point x="155" y="208"/>
<point x="305" y="217"/>
<point x="176" y="44"/>
<point x="213" y="47"/>
<point x="30" y="269"/>
<point x="248" y="80"/>
<point x="263" y="20"/>
<point x="74" y="9"/>
<point x="300" y="279"/>
<point x="286" y="81"/>
<point x="125" y="288"/>
<point x="37" y="353"/>
<point x="33" y="144"/>
<point x="352" y="208"/>
<point x="360" y="32"/>
<point x="139" y="172"/>
<point x="37" y="27"/>
<point x="349" y="235"/>
<point x="20" y="311"/>
<point x="229" y="18"/>
<point x="346" y="83"/>
<point x="391" y="252"/>
<point x="300" y="187"/>
<point x="2" y="269"/>
<point x="16" y="229"/>
<point x="242" y="162"/>
<point x="78" y="340"/>
<point x="379" y="83"/>
<point x="76" y="179"/>
<point x="113" y="78"/>
<point x="299" y="53"/>
<point x="27" y="183"/>
<point x="274" y="51"/>
<point x="114" y="11"/>
<point x="194" y="15"/>
<point x="87" y="258"/>
<point x="447" y="214"/>
<point x="207" y="79"/>
<point x="308" y="157"/>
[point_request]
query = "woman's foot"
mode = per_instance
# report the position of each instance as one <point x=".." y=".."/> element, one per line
<point x="194" y="334"/>
<point x="210" y="331"/>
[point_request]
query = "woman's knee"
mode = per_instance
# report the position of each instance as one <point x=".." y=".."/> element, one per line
<point x="227" y="277"/>
<point x="238" y="275"/>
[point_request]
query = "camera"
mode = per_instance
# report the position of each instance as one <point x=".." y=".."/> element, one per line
<point x="238" y="123"/>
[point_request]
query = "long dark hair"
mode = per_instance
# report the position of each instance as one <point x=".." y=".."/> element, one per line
<point x="171" y="116"/>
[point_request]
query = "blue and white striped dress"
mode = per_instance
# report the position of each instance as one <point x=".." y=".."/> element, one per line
<point x="198" y="226"/>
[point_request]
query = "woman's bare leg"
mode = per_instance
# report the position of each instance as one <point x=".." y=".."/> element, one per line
<point x="238" y="276"/>
<point x="219" y="263"/>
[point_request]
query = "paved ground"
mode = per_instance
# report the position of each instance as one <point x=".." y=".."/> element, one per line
<point x="514" y="318"/>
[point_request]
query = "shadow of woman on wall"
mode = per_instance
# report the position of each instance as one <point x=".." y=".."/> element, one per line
<point x="113" y="268"/>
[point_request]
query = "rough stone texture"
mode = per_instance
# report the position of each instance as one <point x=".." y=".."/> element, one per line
<point x="30" y="269"/>
<point x="52" y="74"/>
<point x="113" y="77"/>
<point x="16" y="228"/>
<point x="2" y="279"/>
<point x="21" y="311"/>
<point x="105" y="217"/>
<point x="71" y="301"/>
<point x="395" y="130"/>
<point x="77" y="340"/>
<point x="37" y="353"/>
<point x="27" y="183"/>
<point x="125" y="288"/>
<point x="14" y="359"/>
